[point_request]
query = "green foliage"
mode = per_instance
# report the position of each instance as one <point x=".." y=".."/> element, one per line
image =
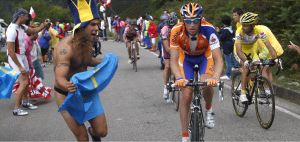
<point x="281" y="16"/>
<point x="53" y="9"/>
<point x="3" y="58"/>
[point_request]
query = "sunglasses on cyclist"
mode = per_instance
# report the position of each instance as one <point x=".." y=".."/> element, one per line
<point x="190" y="21"/>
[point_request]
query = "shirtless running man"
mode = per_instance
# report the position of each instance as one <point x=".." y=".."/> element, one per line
<point x="73" y="55"/>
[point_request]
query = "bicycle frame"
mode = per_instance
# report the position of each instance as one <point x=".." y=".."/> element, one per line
<point x="133" y="51"/>
<point x="197" y="96"/>
<point x="258" y="77"/>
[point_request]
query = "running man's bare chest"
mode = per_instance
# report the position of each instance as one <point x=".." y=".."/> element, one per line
<point x="80" y="60"/>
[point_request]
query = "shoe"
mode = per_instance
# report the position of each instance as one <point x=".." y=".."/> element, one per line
<point x="19" y="112"/>
<point x="185" y="139"/>
<point x="169" y="100"/>
<point x="129" y="61"/>
<point x="94" y="138"/>
<point x="225" y="77"/>
<point x="210" y="120"/>
<point x="166" y="92"/>
<point x="138" y="57"/>
<point x="243" y="98"/>
<point x="264" y="94"/>
<point x="29" y="106"/>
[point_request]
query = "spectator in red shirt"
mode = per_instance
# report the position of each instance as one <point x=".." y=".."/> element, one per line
<point x="152" y="30"/>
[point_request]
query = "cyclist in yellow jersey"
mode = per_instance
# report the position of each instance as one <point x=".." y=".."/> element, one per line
<point x="258" y="42"/>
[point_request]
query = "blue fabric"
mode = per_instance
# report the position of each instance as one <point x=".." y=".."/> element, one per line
<point x="85" y="104"/>
<point x="160" y="26"/>
<point x="190" y="61"/>
<point x="229" y="63"/>
<point x="44" y="40"/>
<point x="8" y="78"/>
<point x="147" y="41"/>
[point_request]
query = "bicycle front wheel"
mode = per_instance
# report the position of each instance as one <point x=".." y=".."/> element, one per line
<point x="239" y="107"/>
<point x="175" y="94"/>
<point x="175" y="98"/>
<point x="196" y="127"/>
<point x="265" y="103"/>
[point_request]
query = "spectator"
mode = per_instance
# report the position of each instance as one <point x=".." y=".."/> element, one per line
<point x="44" y="42"/>
<point x="16" y="56"/>
<point x="226" y="35"/>
<point x="294" y="47"/>
<point x="152" y="30"/>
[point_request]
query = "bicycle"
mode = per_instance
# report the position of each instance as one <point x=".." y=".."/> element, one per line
<point x="134" y="54"/>
<point x="196" y="122"/>
<point x="256" y="93"/>
<point x="174" y="92"/>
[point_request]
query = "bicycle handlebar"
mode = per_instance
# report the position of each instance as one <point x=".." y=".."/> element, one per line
<point x="269" y="62"/>
<point x="204" y="83"/>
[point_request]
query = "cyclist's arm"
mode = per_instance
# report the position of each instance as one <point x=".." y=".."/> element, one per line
<point x="240" y="52"/>
<point x="124" y="37"/>
<point x="174" y="62"/>
<point x="271" y="49"/>
<point x="218" y="63"/>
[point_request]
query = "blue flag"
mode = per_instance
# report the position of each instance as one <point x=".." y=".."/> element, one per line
<point x="85" y="103"/>
<point x="8" y="78"/>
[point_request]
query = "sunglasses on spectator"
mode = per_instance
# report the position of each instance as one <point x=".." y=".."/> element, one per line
<point x="190" y="21"/>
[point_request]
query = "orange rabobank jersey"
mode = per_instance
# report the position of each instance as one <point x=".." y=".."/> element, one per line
<point x="207" y="39"/>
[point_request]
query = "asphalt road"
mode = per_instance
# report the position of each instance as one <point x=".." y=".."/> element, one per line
<point x="136" y="111"/>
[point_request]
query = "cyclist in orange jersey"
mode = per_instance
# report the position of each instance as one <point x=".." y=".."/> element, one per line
<point x="194" y="41"/>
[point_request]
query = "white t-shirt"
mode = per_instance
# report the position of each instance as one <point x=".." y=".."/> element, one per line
<point x="35" y="51"/>
<point x="15" y="33"/>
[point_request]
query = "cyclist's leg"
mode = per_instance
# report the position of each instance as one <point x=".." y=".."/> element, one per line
<point x="167" y="69"/>
<point x="128" y="45"/>
<point x="187" y="72"/>
<point x="185" y="101"/>
<point x="206" y="71"/>
<point x="137" y="45"/>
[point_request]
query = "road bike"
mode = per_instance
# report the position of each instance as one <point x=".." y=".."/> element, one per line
<point x="133" y="51"/>
<point x="196" y="119"/>
<point x="259" y="91"/>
